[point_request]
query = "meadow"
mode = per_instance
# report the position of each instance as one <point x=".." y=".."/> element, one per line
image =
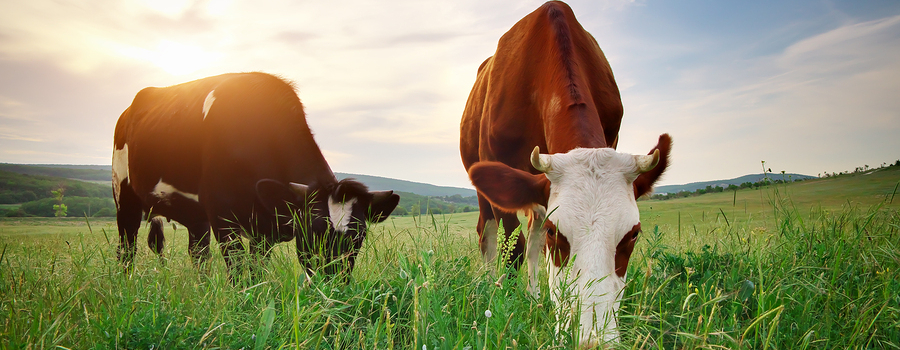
<point x="808" y="265"/>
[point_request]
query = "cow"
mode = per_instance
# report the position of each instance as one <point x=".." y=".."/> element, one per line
<point x="233" y="154"/>
<point x="538" y="135"/>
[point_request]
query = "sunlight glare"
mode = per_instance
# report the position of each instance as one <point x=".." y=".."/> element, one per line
<point x="168" y="8"/>
<point x="179" y="59"/>
<point x="218" y="7"/>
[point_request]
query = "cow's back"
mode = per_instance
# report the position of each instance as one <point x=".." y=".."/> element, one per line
<point x="162" y="132"/>
<point x="211" y="140"/>
<point x="256" y="129"/>
<point x="547" y="85"/>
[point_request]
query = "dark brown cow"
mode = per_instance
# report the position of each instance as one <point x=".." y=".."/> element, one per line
<point x="549" y="88"/>
<point x="234" y="152"/>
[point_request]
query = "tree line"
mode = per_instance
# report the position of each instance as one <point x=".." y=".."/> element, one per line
<point x="49" y="196"/>
<point x="716" y="189"/>
<point x="20" y="188"/>
<point x="859" y="169"/>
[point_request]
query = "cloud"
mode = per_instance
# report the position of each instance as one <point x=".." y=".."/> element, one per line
<point x="11" y="136"/>
<point x="824" y="99"/>
<point x="395" y="73"/>
<point x="14" y="110"/>
<point x="846" y="48"/>
<point x="384" y="84"/>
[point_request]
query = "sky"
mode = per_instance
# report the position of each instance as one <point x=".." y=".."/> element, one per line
<point x="806" y="86"/>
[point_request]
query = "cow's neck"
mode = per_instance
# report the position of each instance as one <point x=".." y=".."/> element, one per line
<point x="572" y="127"/>
<point x="313" y="169"/>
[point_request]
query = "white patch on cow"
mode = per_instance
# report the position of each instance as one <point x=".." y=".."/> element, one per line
<point x="592" y="204"/>
<point x="163" y="192"/>
<point x="489" y="248"/>
<point x="207" y="104"/>
<point x="340" y="214"/>
<point x="119" y="170"/>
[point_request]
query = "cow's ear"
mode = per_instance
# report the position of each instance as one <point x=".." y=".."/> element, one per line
<point x="274" y="196"/>
<point x="383" y="204"/>
<point x="644" y="182"/>
<point x="507" y="188"/>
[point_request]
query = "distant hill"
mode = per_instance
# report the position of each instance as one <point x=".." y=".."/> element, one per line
<point x="844" y="192"/>
<point x="100" y="173"/>
<point x="378" y="183"/>
<point x="97" y="173"/>
<point x="693" y="186"/>
<point x="76" y="172"/>
<point x="19" y="188"/>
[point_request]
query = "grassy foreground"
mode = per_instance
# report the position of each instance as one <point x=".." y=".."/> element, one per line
<point x="786" y="271"/>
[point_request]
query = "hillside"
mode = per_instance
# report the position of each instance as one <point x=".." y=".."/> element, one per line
<point x="378" y="183"/>
<point x="103" y="173"/>
<point x="77" y="172"/>
<point x="697" y="214"/>
<point x="19" y="188"/>
<point x="693" y="186"/>
<point x="32" y="186"/>
<point x="411" y="203"/>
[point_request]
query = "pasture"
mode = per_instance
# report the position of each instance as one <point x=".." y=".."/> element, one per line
<point x="809" y="265"/>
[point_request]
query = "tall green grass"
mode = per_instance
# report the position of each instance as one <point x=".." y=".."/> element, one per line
<point x="791" y="278"/>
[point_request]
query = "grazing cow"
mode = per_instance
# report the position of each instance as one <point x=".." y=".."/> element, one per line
<point x="548" y="88"/>
<point x="234" y="152"/>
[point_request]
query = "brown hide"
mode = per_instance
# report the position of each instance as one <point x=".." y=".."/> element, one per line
<point x="548" y="85"/>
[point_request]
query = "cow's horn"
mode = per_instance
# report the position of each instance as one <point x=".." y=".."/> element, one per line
<point x="539" y="161"/>
<point x="300" y="190"/>
<point x="647" y="162"/>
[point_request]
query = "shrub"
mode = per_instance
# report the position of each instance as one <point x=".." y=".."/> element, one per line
<point x="15" y="213"/>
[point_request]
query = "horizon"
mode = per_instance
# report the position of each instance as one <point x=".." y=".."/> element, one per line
<point x="472" y="188"/>
<point x="807" y="86"/>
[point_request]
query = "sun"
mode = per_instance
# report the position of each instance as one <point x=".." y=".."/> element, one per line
<point x="180" y="59"/>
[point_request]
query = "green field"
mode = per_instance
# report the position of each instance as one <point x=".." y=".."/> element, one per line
<point x="812" y="264"/>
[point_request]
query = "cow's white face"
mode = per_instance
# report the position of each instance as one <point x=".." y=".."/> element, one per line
<point x="329" y="221"/>
<point x="588" y="194"/>
<point x="592" y="204"/>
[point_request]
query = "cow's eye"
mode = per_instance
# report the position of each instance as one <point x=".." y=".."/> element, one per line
<point x="634" y="231"/>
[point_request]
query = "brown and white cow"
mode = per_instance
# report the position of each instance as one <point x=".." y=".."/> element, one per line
<point x="234" y="152"/>
<point x="549" y="89"/>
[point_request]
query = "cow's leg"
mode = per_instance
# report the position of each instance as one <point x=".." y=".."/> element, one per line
<point x="487" y="232"/>
<point x="156" y="239"/>
<point x="232" y="250"/>
<point x="537" y="239"/>
<point x="198" y="242"/>
<point x="128" y="220"/>
<point x="488" y="227"/>
<point x="259" y="253"/>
